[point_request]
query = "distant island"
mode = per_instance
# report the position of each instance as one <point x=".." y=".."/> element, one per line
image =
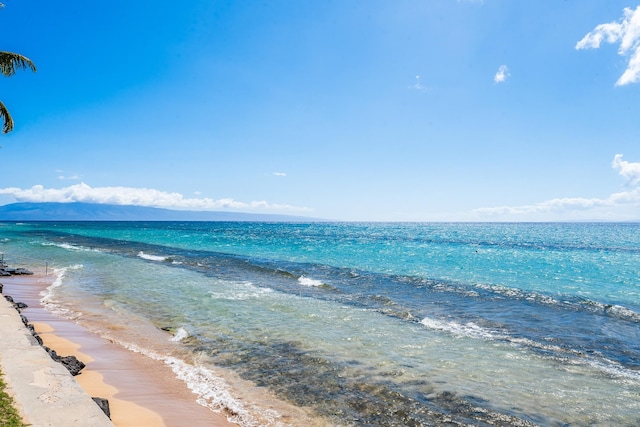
<point x="104" y="212"/>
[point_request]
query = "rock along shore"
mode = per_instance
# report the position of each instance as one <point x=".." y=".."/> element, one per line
<point x="44" y="390"/>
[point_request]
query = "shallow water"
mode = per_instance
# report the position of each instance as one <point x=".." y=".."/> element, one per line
<point x="380" y="324"/>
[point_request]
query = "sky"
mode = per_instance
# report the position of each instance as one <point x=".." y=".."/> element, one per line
<point x="354" y="110"/>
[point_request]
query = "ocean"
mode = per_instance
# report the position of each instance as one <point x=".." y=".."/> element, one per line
<point x="386" y="324"/>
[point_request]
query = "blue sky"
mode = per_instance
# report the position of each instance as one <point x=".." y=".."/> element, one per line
<point x="439" y="110"/>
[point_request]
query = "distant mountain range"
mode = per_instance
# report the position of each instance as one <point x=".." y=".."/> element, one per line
<point x="103" y="212"/>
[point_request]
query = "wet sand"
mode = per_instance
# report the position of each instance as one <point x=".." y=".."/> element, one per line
<point x="141" y="391"/>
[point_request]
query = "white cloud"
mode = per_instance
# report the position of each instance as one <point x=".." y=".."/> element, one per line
<point x="627" y="32"/>
<point x="280" y="174"/>
<point x="630" y="171"/>
<point x="70" y="178"/>
<point x="134" y="196"/>
<point x="565" y="204"/>
<point x="502" y="75"/>
<point x="573" y="207"/>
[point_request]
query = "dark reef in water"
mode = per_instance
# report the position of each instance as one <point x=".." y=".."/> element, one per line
<point x="345" y="395"/>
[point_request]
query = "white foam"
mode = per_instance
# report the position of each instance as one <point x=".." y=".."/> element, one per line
<point x="70" y="247"/>
<point x="623" y="312"/>
<point x="519" y="293"/>
<point x="180" y="334"/>
<point x="616" y="370"/>
<point x="307" y="281"/>
<point x="212" y="391"/>
<point x="469" y="329"/>
<point x="152" y="257"/>
<point x="240" y="292"/>
<point x="47" y="294"/>
<point x="63" y="246"/>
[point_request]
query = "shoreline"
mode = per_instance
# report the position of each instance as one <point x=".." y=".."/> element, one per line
<point x="140" y="390"/>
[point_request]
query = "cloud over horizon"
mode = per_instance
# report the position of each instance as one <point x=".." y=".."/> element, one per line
<point x="573" y="205"/>
<point x="627" y="32"/>
<point x="135" y="196"/>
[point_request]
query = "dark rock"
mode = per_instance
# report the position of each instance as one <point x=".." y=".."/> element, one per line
<point x="104" y="405"/>
<point x="73" y="365"/>
<point x="9" y="298"/>
<point x="23" y="271"/>
<point x="37" y="337"/>
<point x="1" y="286"/>
<point x="31" y="328"/>
<point x="20" y="305"/>
<point x="52" y="353"/>
<point x="3" y="272"/>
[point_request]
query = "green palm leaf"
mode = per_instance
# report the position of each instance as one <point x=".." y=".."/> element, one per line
<point x="6" y="118"/>
<point x="11" y="62"/>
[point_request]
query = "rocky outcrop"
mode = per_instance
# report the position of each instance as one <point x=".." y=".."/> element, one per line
<point x="5" y="270"/>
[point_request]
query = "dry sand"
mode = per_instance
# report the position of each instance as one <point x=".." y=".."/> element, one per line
<point x="141" y="391"/>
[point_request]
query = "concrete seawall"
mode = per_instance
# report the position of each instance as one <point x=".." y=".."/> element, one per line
<point x="44" y="391"/>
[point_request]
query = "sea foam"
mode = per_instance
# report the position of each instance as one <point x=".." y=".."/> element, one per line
<point x="180" y="334"/>
<point x="70" y="247"/>
<point x="307" y="281"/>
<point x="148" y="257"/>
<point x="46" y="295"/>
<point x="469" y="329"/>
<point x="212" y="391"/>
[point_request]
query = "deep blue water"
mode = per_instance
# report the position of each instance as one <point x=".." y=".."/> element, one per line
<point x="377" y="324"/>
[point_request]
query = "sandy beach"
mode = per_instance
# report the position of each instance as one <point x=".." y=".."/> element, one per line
<point x="141" y="391"/>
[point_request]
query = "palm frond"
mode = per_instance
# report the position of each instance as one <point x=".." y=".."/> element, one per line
<point x="6" y="118"/>
<point x="11" y="62"/>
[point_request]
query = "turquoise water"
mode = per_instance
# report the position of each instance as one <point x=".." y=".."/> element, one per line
<point x="370" y="324"/>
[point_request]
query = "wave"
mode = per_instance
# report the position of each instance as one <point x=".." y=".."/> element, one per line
<point x="518" y="294"/>
<point x="180" y="334"/>
<point x="158" y="258"/>
<point x="566" y="302"/>
<point x="212" y="391"/>
<point x="46" y="295"/>
<point x="468" y="329"/>
<point x="566" y="355"/>
<point x="241" y="292"/>
<point x="70" y="247"/>
<point x="307" y="281"/>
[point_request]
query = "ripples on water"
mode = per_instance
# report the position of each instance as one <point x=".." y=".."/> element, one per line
<point x="380" y="324"/>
